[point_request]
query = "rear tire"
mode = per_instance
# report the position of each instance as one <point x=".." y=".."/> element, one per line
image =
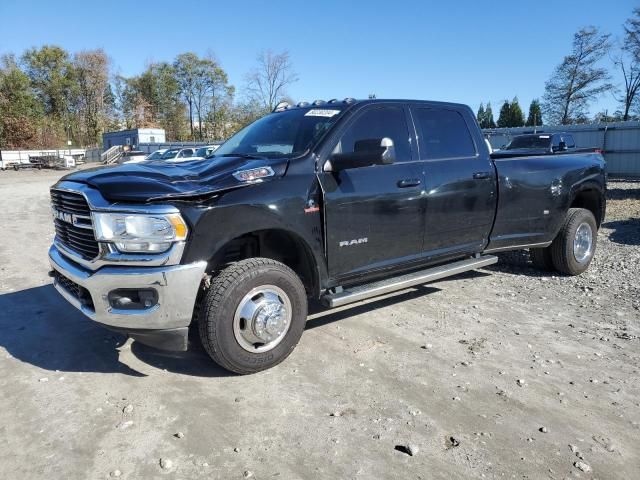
<point x="541" y="258"/>
<point x="253" y="315"/>
<point x="575" y="245"/>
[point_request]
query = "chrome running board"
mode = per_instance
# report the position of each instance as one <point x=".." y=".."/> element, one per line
<point x="362" y="292"/>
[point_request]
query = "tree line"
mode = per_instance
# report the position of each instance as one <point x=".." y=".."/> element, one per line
<point x="49" y="96"/>
<point x="580" y="79"/>
<point x="511" y="115"/>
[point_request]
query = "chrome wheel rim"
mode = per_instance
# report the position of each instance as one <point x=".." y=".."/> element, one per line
<point x="262" y="319"/>
<point x="583" y="243"/>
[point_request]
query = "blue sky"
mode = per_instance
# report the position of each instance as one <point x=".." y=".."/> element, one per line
<point x="465" y="51"/>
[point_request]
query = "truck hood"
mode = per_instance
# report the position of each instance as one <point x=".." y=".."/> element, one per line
<point x="157" y="180"/>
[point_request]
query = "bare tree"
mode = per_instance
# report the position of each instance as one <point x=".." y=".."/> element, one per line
<point x="210" y="87"/>
<point x="186" y="66"/>
<point x="92" y="75"/>
<point x="628" y="61"/>
<point x="578" y="80"/>
<point x="268" y="82"/>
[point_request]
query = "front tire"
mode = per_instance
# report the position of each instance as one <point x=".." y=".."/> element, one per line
<point x="252" y="315"/>
<point x="575" y="245"/>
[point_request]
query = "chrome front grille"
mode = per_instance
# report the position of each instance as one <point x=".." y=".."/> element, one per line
<point x="72" y="220"/>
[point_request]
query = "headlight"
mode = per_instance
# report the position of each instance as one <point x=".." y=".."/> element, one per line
<point x="140" y="232"/>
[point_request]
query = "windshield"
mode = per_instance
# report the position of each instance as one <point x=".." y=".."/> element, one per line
<point x="282" y="134"/>
<point x="530" y="141"/>
<point x="203" y="151"/>
<point x="170" y="154"/>
<point x="155" y="155"/>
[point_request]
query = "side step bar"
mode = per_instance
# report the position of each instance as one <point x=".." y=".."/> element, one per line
<point x="362" y="292"/>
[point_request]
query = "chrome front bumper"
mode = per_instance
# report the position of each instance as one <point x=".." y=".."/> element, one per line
<point x="177" y="287"/>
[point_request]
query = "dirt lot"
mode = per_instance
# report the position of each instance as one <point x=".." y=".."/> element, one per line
<point x="503" y="373"/>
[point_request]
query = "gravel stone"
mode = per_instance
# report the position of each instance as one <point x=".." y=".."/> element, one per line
<point x="584" y="467"/>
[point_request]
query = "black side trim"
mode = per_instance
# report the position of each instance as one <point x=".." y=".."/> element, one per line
<point x="174" y="339"/>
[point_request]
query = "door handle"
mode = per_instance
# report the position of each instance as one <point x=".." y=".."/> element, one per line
<point x="481" y="175"/>
<point x="409" y="182"/>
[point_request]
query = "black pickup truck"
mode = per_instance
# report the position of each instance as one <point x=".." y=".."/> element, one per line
<point x="334" y="201"/>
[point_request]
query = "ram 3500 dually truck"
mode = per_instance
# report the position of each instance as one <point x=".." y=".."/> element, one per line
<point x="336" y="201"/>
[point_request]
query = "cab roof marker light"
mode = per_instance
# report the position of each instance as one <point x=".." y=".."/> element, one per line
<point x="349" y="100"/>
<point x="319" y="102"/>
<point x="303" y="104"/>
<point x="281" y="106"/>
<point x="333" y="100"/>
<point x="254" y="174"/>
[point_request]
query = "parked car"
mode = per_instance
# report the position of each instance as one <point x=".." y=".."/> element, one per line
<point x="137" y="157"/>
<point x="540" y="144"/>
<point x="335" y="201"/>
<point x="157" y="155"/>
<point x="203" y="152"/>
<point x="178" y="154"/>
<point x="132" y="156"/>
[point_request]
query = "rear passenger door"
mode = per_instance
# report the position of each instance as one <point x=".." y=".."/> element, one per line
<point x="460" y="181"/>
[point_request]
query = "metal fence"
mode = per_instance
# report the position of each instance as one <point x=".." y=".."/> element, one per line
<point x="619" y="142"/>
<point x="9" y="158"/>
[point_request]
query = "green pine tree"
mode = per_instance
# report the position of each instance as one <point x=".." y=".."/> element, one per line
<point x="516" y="117"/>
<point x="504" y="119"/>
<point x="488" y="114"/>
<point x="535" y="114"/>
<point x="481" y="116"/>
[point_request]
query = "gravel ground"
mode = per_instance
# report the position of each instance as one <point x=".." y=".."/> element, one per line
<point x="503" y="373"/>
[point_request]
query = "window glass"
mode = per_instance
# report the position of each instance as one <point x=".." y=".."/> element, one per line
<point x="171" y="153"/>
<point x="529" y="141"/>
<point x="371" y="127"/>
<point x="569" y="141"/>
<point x="444" y="134"/>
<point x="289" y="133"/>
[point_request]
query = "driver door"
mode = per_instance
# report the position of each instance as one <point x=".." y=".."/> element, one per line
<point x="373" y="214"/>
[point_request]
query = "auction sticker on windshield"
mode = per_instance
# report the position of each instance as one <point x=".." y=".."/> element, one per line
<point x="321" y="112"/>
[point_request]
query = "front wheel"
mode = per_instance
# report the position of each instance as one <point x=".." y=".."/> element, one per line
<point x="252" y="315"/>
<point x="574" y="246"/>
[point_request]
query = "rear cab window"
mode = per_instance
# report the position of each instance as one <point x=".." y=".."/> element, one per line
<point x="442" y="133"/>
<point x="568" y="139"/>
<point x="530" y="141"/>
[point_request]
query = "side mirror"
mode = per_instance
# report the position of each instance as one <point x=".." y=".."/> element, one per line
<point x="365" y="153"/>
<point x="562" y="146"/>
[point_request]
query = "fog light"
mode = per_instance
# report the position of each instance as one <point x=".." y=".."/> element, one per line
<point x="133" y="299"/>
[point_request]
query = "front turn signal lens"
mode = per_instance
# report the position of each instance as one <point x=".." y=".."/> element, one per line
<point x="179" y="227"/>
